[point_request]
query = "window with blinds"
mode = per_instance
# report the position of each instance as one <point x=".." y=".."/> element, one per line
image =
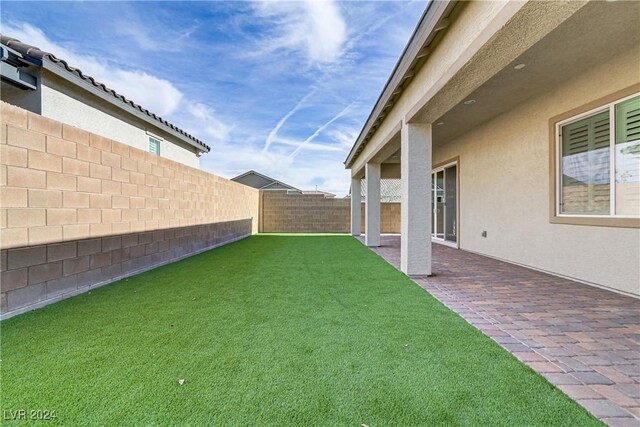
<point x="627" y="153"/>
<point x="591" y="148"/>
<point x="154" y="145"/>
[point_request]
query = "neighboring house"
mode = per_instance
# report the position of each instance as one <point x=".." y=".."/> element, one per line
<point x="326" y="194"/>
<point x="525" y="116"/>
<point x="389" y="191"/>
<point x="263" y="182"/>
<point x="41" y="83"/>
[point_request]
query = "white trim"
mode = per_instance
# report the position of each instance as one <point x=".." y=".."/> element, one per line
<point x="434" y="171"/>
<point x="595" y="216"/>
<point x="159" y="143"/>
<point x="612" y="159"/>
<point x="558" y="169"/>
<point x="445" y="242"/>
<point x="581" y="116"/>
<point x="159" y="138"/>
<point x="443" y="167"/>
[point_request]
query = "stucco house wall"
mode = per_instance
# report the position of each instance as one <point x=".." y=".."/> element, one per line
<point x="28" y="99"/>
<point x="504" y="181"/>
<point x="66" y="103"/>
<point x="58" y="99"/>
<point x="509" y="154"/>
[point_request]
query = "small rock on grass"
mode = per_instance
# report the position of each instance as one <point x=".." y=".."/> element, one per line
<point x="181" y="381"/>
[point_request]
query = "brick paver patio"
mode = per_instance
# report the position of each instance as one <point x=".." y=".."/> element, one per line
<point x="583" y="339"/>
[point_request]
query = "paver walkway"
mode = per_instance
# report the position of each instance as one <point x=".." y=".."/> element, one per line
<point x="583" y="339"/>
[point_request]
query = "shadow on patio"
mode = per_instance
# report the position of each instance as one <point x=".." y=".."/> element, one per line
<point x="583" y="339"/>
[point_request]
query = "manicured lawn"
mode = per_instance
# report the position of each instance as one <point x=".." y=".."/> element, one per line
<point x="271" y="330"/>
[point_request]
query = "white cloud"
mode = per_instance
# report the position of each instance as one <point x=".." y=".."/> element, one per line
<point x="154" y="37"/>
<point x="311" y="146"/>
<point x="249" y="92"/>
<point x="209" y="126"/>
<point x="274" y="132"/>
<point x="153" y="93"/>
<point x="230" y="159"/>
<point x="345" y="136"/>
<point x="314" y="27"/>
<point x="156" y="94"/>
<point x="318" y="131"/>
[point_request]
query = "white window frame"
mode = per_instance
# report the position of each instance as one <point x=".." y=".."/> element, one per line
<point x="434" y="171"/>
<point x="612" y="160"/>
<point x="159" y="140"/>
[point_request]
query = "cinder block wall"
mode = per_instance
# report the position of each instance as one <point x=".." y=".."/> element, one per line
<point x="313" y="213"/>
<point x="389" y="218"/>
<point x="78" y="210"/>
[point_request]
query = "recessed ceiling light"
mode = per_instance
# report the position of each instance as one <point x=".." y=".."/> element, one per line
<point x="469" y="101"/>
<point x="439" y="123"/>
<point x="520" y="66"/>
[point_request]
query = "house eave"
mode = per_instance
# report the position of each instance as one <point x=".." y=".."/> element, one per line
<point x="415" y="53"/>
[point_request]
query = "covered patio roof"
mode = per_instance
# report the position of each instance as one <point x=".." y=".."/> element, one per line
<point x="521" y="61"/>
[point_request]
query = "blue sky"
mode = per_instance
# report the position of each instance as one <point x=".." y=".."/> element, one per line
<point x="279" y="87"/>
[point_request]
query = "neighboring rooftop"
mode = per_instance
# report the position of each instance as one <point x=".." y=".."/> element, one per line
<point x="262" y="182"/>
<point x="19" y="52"/>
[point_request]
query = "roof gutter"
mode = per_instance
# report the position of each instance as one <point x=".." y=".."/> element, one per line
<point x="414" y="55"/>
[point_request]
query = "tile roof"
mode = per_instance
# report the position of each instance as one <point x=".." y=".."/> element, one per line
<point x="34" y="52"/>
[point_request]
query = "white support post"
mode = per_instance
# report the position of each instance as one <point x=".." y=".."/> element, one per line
<point x="416" y="211"/>
<point x="372" y="208"/>
<point x="356" y="209"/>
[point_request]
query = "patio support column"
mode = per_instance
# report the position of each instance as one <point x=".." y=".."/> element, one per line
<point x="372" y="204"/>
<point x="416" y="211"/>
<point x="356" y="209"/>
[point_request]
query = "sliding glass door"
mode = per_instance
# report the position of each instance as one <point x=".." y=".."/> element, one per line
<point x="444" y="196"/>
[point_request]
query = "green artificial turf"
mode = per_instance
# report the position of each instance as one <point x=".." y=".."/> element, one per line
<point x="271" y="330"/>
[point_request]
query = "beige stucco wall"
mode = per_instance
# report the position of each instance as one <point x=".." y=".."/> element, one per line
<point x="63" y="102"/>
<point x="27" y="99"/>
<point x="504" y="188"/>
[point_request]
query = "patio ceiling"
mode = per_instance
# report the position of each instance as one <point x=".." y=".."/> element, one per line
<point x="573" y="46"/>
<point x="547" y="64"/>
